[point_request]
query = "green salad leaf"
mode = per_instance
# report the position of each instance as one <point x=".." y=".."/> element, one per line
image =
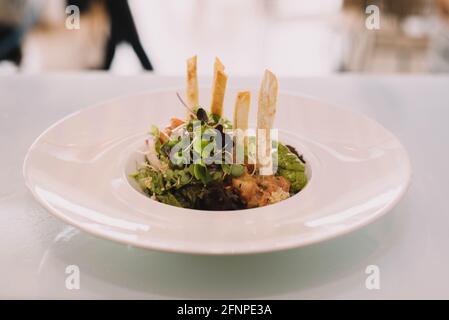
<point x="291" y="168"/>
<point x="206" y="183"/>
<point x="201" y="173"/>
<point x="235" y="170"/>
<point x="169" y="198"/>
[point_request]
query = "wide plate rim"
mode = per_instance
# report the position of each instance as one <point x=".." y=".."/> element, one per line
<point x="184" y="250"/>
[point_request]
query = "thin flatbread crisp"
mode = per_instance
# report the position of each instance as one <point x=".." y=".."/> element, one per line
<point x="241" y="110"/>
<point x="218" y="89"/>
<point x="266" y="112"/>
<point x="192" y="84"/>
<point x="240" y="125"/>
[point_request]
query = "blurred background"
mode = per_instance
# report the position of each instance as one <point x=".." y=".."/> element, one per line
<point x="292" y="37"/>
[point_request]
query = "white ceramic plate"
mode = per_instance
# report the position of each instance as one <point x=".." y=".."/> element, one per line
<point x="78" y="169"/>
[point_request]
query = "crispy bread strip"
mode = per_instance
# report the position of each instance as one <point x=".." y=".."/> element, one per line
<point x="265" y="117"/>
<point x="219" y="88"/>
<point x="192" y="84"/>
<point x="241" y="111"/>
<point x="218" y="66"/>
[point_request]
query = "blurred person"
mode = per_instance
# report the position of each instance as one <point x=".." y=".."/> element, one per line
<point x="14" y="21"/>
<point x="44" y="42"/>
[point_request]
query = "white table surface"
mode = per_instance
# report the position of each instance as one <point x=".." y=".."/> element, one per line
<point x="410" y="245"/>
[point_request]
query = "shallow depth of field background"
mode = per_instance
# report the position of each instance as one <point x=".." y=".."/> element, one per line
<point x="292" y="37"/>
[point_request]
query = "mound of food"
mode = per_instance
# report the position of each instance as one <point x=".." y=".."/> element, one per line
<point x="206" y="162"/>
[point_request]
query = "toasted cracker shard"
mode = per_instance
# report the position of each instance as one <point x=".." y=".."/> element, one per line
<point x="219" y="88"/>
<point x="240" y="125"/>
<point x="266" y="112"/>
<point x="241" y="110"/>
<point x="192" y="83"/>
<point x="218" y="65"/>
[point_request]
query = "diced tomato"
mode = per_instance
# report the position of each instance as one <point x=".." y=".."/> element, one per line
<point x="175" y="122"/>
<point x="164" y="135"/>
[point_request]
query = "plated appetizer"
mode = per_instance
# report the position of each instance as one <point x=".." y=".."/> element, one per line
<point x="205" y="161"/>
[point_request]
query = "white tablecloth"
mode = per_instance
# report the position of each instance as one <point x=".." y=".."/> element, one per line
<point x="410" y="245"/>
